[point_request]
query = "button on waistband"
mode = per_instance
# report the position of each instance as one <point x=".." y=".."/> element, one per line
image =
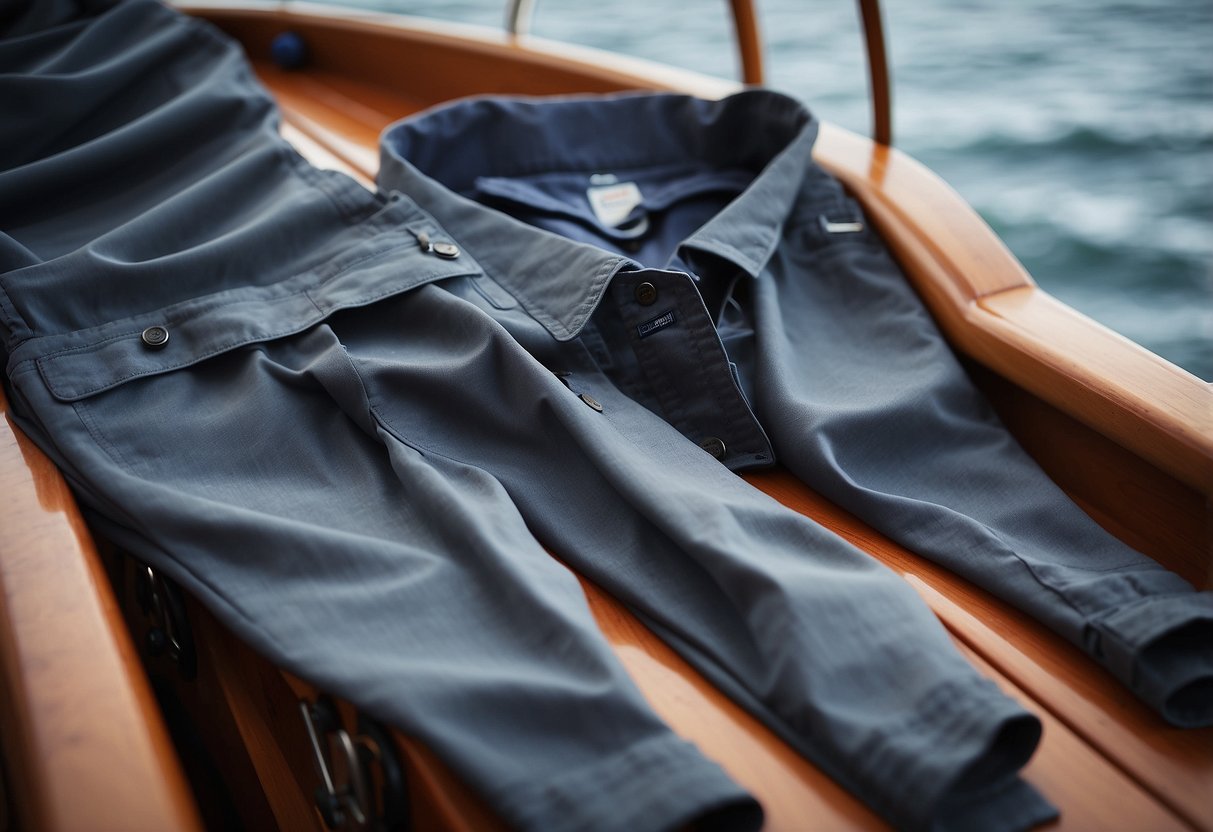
<point x="154" y="337"/>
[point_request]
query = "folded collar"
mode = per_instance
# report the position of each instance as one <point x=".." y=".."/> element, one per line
<point x="433" y="155"/>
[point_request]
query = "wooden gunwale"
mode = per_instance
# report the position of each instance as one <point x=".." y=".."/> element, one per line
<point x="81" y="735"/>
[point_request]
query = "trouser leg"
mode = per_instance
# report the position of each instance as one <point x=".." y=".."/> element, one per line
<point x="403" y="581"/>
<point x="826" y="645"/>
<point x="865" y="402"/>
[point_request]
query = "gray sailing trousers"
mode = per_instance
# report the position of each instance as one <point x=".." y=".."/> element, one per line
<point x="324" y="413"/>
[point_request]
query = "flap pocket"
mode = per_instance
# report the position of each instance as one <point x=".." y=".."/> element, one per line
<point x="411" y="252"/>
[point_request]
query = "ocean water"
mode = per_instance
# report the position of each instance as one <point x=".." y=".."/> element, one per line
<point x="1082" y="131"/>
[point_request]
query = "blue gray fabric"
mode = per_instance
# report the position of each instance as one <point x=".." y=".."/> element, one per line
<point x="794" y="339"/>
<point x="351" y="443"/>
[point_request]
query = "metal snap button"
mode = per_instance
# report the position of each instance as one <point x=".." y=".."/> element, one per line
<point x="646" y="294"/>
<point x="154" y="337"/>
<point x="714" y="446"/>
<point x="591" y="401"/>
<point x="447" y="250"/>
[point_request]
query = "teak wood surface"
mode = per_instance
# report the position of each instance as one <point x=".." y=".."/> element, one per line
<point x="1129" y="436"/>
<point x="83" y="743"/>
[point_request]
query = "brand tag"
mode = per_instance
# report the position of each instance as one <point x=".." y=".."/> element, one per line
<point x="613" y="203"/>
<point x="660" y="322"/>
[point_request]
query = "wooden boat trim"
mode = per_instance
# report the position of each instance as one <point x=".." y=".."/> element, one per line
<point x="544" y="62"/>
<point x="85" y="743"/>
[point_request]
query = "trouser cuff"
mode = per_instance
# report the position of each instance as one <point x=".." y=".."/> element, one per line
<point x="954" y="764"/>
<point x="663" y="783"/>
<point x="1010" y="804"/>
<point x="1162" y="648"/>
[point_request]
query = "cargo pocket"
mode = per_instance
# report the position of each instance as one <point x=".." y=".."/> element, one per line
<point x="180" y="369"/>
<point x="416" y="251"/>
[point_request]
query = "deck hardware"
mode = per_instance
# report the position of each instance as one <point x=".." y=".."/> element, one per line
<point x="343" y="797"/>
<point x="390" y="800"/>
<point x="169" y="631"/>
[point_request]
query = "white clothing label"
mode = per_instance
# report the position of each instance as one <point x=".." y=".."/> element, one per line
<point x="613" y="203"/>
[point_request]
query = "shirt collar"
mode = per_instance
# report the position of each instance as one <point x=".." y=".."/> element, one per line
<point x="434" y="154"/>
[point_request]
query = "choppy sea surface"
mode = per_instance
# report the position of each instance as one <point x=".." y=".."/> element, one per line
<point x="1082" y="131"/>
